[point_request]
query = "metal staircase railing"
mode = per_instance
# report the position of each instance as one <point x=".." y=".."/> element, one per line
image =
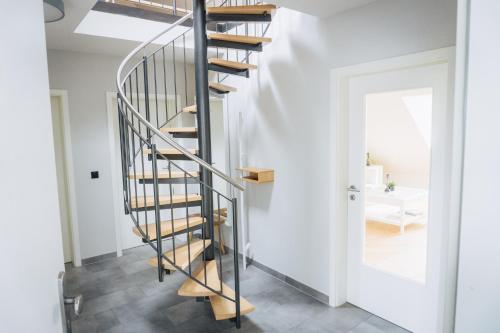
<point x="146" y="79"/>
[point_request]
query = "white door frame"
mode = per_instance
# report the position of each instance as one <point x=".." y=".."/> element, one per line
<point x="339" y="79"/>
<point x="70" y="174"/>
<point x="115" y="179"/>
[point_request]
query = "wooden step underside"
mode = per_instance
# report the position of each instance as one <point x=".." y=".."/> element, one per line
<point x="164" y="200"/>
<point x="218" y="87"/>
<point x="166" y="227"/>
<point x="191" y="288"/>
<point x="182" y="255"/>
<point x="223" y="212"/>
<point x="243" y="10"/>
<point x="240" y="39"/>
<point x="171" y="153"/>
<point x="231" y="64"/>
<point x="179" y="129"/>
<point x="165" y="175"/>
<point x="163" y="9"/>
<point x="216" y="217"/>
<point x="190" y="109"/>
<point x="181" y="132"/>
<point x="225" y="309"/>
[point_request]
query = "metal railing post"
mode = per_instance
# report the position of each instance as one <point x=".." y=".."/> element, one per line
<point x="236" y="265"/>
<point x="159" y="252"/>
<point x="146" y="96"/>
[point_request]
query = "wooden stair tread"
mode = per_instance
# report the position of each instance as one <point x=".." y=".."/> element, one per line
<point x="225" y="309"/>
<point x="164" y="175"/>
<point x="223" y="212"/>
<point x="190" y="109"/>
<point x="231" y="64"/>
<point x="221" y="87"/>
<point x="181" y="255"/>
<point x="164" y="200"/>
<point x="194" y="289"/>
<point x="170" y="151"/>
<point x="240" y="39"/>
<point x="216" y="218"/>
<point x="164" y="9"/>
<point x="179" y="129"/>
<point x="166" y="226"/>
<point x="244" y="10"/>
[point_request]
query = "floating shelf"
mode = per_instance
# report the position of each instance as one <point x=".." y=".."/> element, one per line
<point x="256" y="175"/>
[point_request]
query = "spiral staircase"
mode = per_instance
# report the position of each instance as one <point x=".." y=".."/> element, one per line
<point x="168" y="188"/>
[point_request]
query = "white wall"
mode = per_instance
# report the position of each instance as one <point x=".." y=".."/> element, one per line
<point x="87" y="77"/>
<point x="285" y="109"/>
<point x="30" y="241"/>
<point x="478" y="298"/>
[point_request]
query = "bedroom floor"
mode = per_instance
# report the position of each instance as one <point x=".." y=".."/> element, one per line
<point x="124" y="295"/>
<point x="401" y="254"/>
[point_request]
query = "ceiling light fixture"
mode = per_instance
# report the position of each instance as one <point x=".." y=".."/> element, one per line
<point x="53" y="10"/>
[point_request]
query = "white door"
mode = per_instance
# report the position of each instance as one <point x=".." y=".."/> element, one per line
<point x="394" y="238"/>
<point x="62" y="185"/>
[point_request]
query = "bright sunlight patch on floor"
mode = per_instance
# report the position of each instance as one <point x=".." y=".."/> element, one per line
<point x="392" y="252"/>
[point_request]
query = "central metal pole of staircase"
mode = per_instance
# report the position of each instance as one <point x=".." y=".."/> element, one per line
<point x="203" y="117"/>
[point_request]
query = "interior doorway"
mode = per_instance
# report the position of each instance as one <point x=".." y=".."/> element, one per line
<point x="65" y="180"/>
<point x="125" y="238"/>
<point x="393" y="121"/>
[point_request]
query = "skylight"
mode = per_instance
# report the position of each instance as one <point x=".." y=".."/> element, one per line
<point x="420" y="109"/>
<point x="116" y="26"/>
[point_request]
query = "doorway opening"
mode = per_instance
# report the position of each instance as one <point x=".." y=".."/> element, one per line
<point x="65" y="176"/>
<point x="389" y="250"/>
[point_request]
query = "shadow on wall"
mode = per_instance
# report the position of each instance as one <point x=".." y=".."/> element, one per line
<point x="259" y="195"/>
<point x="288" y="96"/>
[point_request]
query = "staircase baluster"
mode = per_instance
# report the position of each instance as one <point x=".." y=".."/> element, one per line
<point x="165" y="83"/>
<point x="137" y="94"/>
<point x="236" y="266"/>
<point x="185" y="69"/>
<point x="122" y="154"/>
<point x="127" y="149"/>
<point x="175" y="74"/>
<point x="132" y="158"/>
<point x="187" y="221"/>
<point x="146" y="94"/>
<point x="220" y="237"/>
<point x="159" y="252"/>
<point x="134" y="179"/>
<point x="141" y="151"/>
<point x="172" y="210"/>
<point x="205" y="221"/>
<point x="156" y="91"/>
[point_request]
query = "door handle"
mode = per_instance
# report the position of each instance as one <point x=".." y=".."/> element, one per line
<point x="76" y="302"/>
<point x="353" y="188"/>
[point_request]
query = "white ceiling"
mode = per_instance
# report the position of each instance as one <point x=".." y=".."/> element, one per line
<point x="61" y="35"/>
<point x="124" y="27"/>
<point x="322" y="8"/>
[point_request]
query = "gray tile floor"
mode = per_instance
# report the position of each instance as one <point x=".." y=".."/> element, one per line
<point x="124" y="295"/>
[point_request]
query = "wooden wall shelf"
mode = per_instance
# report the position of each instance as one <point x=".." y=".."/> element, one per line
<point x="257" y="175"/>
